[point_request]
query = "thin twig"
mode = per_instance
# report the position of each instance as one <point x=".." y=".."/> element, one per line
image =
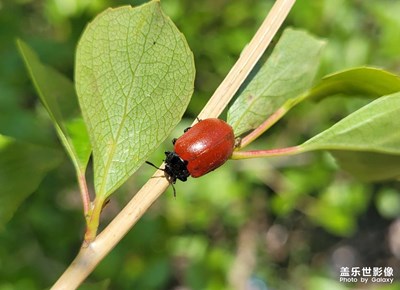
<point x="91" y="255"/>
<point x="247" y="60"/>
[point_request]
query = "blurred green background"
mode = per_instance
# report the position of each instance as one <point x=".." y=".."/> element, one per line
<point x="279" y="223"/>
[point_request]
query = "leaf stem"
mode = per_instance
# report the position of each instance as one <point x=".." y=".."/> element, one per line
<point x="271" y="120"/>
<point x="267" y="153"/>
<point x="93" y="220"/>
<point x="84" y="193"/>
<point x="93" y="253"/>
<point x="263" y="127"/>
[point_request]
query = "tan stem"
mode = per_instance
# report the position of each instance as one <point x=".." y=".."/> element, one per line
<point x="91" y="255"/>
<point x="247" y="60"/>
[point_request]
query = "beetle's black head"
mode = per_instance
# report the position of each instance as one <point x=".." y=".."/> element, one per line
<point x="175" y="167"/>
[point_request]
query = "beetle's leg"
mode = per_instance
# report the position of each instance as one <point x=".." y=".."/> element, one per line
<point x="173" y="188"/>
<point x="238" y="142"/>
<point x="188" y="128"/>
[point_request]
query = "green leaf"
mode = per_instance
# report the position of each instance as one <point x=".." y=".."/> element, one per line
<point x="367" y="142"/>
<point x="134" y="78"/>
<point x="369" y="166"/>
<point x="58" y="96"/>
<point x="22" y="168"/>
<point x="287" y="73"/>
<point x="363" y="82"/>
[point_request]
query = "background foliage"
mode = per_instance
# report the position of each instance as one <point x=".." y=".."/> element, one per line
<point x="281" y="223"/>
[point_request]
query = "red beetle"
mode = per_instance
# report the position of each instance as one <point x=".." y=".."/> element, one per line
<point x="201" y="149"/>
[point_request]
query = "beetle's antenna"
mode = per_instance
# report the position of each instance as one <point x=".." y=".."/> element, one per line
<point x="151" y="164"/>
<point x="169" y="180"/>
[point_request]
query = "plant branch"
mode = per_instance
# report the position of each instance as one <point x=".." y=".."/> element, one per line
<point x="92" y="254"/>
<point x="247" y="60"/>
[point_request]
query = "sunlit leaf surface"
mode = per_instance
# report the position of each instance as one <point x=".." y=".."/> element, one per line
<point x="134" y="77"/>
